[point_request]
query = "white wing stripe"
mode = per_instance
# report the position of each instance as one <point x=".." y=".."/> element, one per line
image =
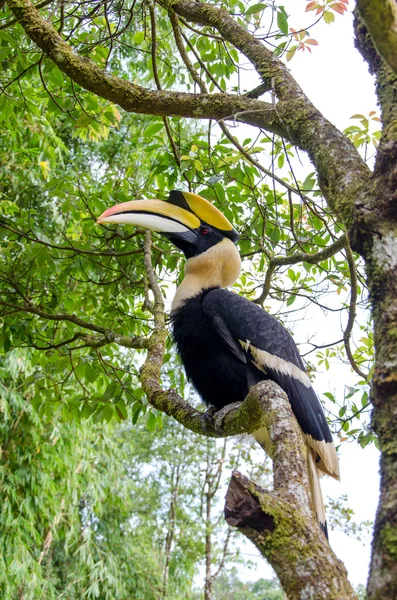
<point x="265" y="359"/>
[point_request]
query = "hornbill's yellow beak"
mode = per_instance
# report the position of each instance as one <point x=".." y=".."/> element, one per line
<point x="181" y="218"/>
<point x="155" y="215"/>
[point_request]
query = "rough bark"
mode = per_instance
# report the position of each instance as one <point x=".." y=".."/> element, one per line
<point x="380" y="253"/>
<point x="380" y="18"/>
<point x="280" y="522"/>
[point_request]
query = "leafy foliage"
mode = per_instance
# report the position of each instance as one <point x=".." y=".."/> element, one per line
<point x="76" y="294"/>
<point x="230" y="587"/>
<point x="87" y="509"/>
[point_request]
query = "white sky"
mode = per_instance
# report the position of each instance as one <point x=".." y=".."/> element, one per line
<point x="336" y="80"/>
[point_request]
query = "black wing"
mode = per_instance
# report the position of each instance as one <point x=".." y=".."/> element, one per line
<point x="265" y="342"/>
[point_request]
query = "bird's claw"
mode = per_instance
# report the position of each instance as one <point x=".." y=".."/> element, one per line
<point x="220" y="415"/>
<point x="214" y="419"/>
<point x="207" y="418"/>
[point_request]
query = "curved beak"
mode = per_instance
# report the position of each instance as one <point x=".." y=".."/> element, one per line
<point x="155" y="215"/>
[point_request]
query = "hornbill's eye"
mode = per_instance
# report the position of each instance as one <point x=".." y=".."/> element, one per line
<point x="205" y="230"/>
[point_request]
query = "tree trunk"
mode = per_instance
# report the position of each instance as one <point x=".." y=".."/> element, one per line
<point x="171" y="529"/>
<point x="208" y="549"/>
<point x="377" y="242"/>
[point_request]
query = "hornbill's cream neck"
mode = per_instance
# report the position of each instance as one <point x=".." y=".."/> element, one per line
<point x="219" y="266"/>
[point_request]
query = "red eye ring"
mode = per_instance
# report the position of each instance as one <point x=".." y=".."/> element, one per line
<point x="205" y="230"/>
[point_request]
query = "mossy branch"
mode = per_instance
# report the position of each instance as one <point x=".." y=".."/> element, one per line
<point x="135" y="98"/>
<point x="290" y="540"/>
<point x="343" y="175"/>
<point x="380" y="18"/>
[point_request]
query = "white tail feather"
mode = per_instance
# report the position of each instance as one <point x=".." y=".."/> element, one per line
<point x="315" y="489"/>
<point x="263" y="438"/>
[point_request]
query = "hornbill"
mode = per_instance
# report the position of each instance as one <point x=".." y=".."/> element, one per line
<point x="226" y="342"/>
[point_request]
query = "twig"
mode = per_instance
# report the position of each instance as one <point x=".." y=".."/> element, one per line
<point x="352" y="312"/>
<point x="109" y="335"/>
<point x="278" y="261"/>
<point x="257" y="164"/>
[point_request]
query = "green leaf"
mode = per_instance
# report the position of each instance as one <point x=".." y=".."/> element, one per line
<point x="328" y="17"/>
<point x="153" y="128"/>
<point x="309" y="182"/>
<point x="282" y="21"/>
<point x="139" y="36"/>
<point x="4" y="52"/>
<point x="90" y="373"/>
<point x="255" y="8"/>
<point x="151" y="422"/>
<point x="291" y="300"/>
<point x="121" y="410"/>
<point x="110" y="391"/>
<point x="6" y="344"/>
<point x="107" y="412"/>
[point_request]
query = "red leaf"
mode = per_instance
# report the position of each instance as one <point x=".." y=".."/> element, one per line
<point x="339" y="7"/>
<point x="311" y="6"/>
<point x="312" y="42"/>
<point x="319" y="10"/>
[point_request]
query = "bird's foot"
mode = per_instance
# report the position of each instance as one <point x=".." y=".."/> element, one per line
<point x="207" y="418"/>
<point x="220" y="415"/>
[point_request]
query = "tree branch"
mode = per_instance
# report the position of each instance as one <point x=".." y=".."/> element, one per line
<point x="109" y="336"/>
<point x="352" y="313"/>
<point x="380" y="18"/>
<point x="343" y="175"/>
<point x="257" y="164"/>
<point x="135" y="98"/>
<point x="158" y="83"/>
<point x="279" y="261"/>
<point x="13" y="21"/>
<point x="281" y="522"/>
<point x="71" y="248"/>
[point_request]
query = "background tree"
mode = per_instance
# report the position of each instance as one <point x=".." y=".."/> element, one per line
<point x="92" y="510"/>
<point x="79" y="297"/>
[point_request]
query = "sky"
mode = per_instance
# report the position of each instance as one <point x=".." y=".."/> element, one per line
<point x="336" y="80"/>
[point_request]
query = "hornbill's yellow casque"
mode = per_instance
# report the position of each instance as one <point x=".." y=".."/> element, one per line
<point x="227" y="343"/>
